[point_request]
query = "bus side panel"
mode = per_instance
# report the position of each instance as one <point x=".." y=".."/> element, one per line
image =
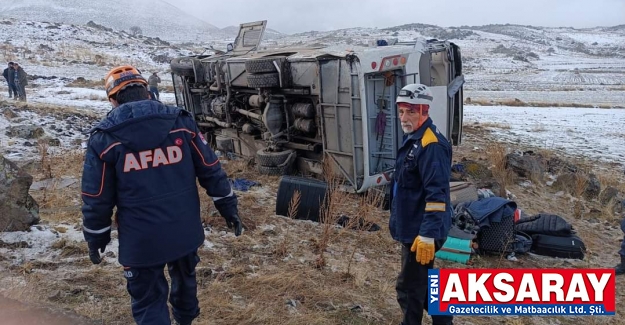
<point x="342" y="125"/>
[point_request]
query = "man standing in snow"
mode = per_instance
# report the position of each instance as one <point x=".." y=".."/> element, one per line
<point x="21" y="80"/>
<point x="421" y="210"/>
<point x="144" y="158"/>
<point x="153" y="82"/>
<point x="9" y="75"/>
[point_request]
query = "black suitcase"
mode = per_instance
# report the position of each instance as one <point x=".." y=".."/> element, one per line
<point x="556" y="246"/>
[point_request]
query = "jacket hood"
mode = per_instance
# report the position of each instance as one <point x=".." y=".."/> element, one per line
<point x="140" y="125"/>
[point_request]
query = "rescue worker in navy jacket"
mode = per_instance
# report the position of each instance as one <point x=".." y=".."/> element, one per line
<point x="144" y="158"/>
<point x="421" y="210"/>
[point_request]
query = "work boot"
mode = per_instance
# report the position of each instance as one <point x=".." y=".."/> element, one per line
<point x="620" y="269"/>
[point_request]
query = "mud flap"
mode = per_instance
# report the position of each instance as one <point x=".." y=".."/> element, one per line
<point x="312" y="194"/>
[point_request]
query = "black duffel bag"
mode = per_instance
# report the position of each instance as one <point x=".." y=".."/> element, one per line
<point x="558" y="246"/>
<point x="545" y="224"/>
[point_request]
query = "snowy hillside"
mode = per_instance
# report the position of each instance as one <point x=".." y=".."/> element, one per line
<point x="503" y="65"/>
<point x="56" y="52"/>
<point x="532" y="64"/>
<point x="501" y="62"/>
<point x="155" y="18"/>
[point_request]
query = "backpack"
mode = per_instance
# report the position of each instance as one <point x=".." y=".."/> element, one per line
<point x="522" y="243"/>
<point x="499" y="237"/>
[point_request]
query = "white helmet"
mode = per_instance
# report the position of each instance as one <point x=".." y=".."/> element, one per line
<point x="415" y="94"/>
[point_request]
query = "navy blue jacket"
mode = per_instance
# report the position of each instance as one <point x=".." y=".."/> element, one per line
<point x="144" y="159"/>
<point x="420" y="202"/>
<point x="488" y="210"/>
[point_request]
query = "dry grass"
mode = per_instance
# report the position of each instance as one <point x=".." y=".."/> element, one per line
<point x="503" y="126"/>
<point x="333" y="202"/>
<point x="580" y="185"/>
<point x="79" y="53"/>
<point x="58" y="111"/>
<point x="97" y="97"/>
<point x="282" y="249"/>
<point x="610" y="210"/>
<point x="97" y="84"/>
<point x="273" y="277"/>
<point x="294" y="204"/>
<point x="101" y="98"/>
<point x="519" y="103"/>
<point x="607" y="211"/>
<point x="46" y="63"/>
<point x="369" y="205"/>
<point x="570" y="89"/>
<point x="503" y="175"/>
<point x="289" y="296"/>
<point x="490" y="102"/>
<point x="44" y="162"/>
<point x="547" y="154"/>
<point x="611" y="180"/>
<point x="58" y="205"/>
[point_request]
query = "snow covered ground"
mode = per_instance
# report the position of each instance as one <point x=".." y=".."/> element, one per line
<point x="65" y="127"/>
<point x="589" y="98"/>
<point x="88" y="99"/>
<point x="569" y="68"/>
<point x="581" y="132"/>
<point x="39" y="241"/>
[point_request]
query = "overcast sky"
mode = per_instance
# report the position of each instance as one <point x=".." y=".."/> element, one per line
<point x="292" y="16"/>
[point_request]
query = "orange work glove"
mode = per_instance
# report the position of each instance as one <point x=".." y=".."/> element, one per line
<point x="424" y="249"/>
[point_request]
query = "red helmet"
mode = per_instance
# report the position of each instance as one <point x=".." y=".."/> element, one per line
<point x="121" y="77"/>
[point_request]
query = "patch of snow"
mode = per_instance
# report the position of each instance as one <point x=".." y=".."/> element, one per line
<point x="40" y="238"/>
<point x="264" y="228"/>
<point x="581" y="132"/>
<point x="208" y="244"/>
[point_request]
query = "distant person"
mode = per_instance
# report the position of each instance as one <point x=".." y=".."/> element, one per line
<point x="153" y="82"/>
<point x="21" y="80"/>
<point x="9" y="76"/>
<point x="144" y="158"/>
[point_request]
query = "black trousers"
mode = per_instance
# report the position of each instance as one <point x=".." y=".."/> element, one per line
<point x="148" y="289"/>
<point x="412" y="288"/>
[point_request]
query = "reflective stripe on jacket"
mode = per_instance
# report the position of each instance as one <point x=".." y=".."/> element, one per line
<point x="420" y="202"/>
<point x="144" y="159"/>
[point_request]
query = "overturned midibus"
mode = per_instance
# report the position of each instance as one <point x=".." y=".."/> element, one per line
<point x="292" y="108"/>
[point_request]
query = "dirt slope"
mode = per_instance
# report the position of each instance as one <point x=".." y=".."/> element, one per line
<point x="274" y="273"/>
